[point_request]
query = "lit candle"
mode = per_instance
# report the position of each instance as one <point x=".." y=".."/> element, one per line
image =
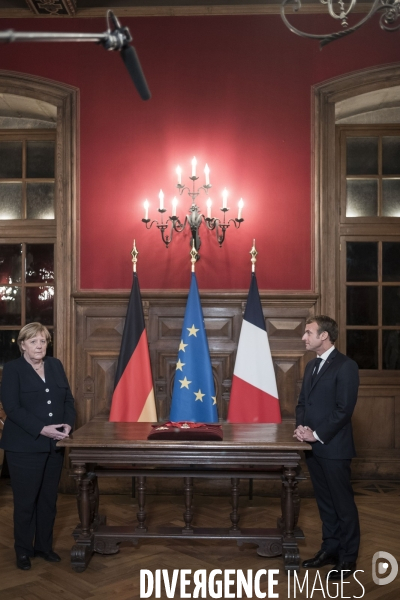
<point x="207" y="174"/>
<point x="174" y="205"/>
<point x="209" y="203"/>
<point x="146" y="210"/>
<point x="179" y="173"/>
<point x="241" y="203"/>
<point x="225" y="198"/>
<point x="194" y="163"/>
<point x="161" y="196"/>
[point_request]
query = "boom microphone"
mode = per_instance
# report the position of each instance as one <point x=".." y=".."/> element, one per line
<point x="131" y="61"/>
<point x="118" y="38"/>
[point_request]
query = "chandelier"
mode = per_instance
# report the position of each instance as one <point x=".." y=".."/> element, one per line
<point x="340" y="10"/>
<point x="194" y="218"/>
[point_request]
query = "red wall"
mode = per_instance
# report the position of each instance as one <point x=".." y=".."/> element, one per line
<point x="233" y="91"/>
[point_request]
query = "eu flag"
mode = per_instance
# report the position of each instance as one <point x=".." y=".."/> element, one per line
<point x="193" y="397"/>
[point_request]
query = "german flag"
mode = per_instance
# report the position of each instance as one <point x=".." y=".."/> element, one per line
<point x="133" y="397"/>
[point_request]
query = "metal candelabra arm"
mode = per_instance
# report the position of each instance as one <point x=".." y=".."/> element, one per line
<point x="214" y="223"/>
<point x="390" y="10"/>
<point x="176" y="225"/>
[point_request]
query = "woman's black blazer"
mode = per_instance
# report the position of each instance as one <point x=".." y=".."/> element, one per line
<point x="31" y="403"/>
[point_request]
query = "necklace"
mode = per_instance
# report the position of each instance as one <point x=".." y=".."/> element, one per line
<point x="39" y="367"/>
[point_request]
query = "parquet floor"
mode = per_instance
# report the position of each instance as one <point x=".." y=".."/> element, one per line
<point x="116" y="577"/>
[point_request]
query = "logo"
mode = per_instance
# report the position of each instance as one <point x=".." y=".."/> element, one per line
<point x="381" y="568"/>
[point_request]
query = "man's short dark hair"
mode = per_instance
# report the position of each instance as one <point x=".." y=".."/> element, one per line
<point x="325" y="324"/>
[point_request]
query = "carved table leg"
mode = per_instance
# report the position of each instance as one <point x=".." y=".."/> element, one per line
<point x="235" y="505"/>
<point x="188" y="514"/>
<point x="95" y="518"/>
<point x="289" y="544"/>
<point x="141" y="514"/>
<point x="296" y="503"/>
<point x="281" y="520"/>
<point x="81" y="553"/>
<point x="269" y="548"/>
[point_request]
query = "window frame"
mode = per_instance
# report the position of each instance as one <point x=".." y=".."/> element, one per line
<point x="23" y="285"/>
<point x="31" y="231"/>
<point x="325" y="206"/>
<point x="343" y="327"/>
<point x="63" y="229"/>
<point x="380" y="131"/>
<point x="25" y="136"/>
<point x="360" y="229"/>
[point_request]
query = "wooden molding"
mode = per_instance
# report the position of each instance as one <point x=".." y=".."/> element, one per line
<point x="240" y="9"/>
<point x="52" y="7"/>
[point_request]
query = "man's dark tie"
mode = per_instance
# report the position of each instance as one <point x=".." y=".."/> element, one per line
<point x="318" y="361"/>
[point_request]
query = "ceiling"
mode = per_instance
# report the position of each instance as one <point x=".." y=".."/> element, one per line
<point x="97" y="8"/>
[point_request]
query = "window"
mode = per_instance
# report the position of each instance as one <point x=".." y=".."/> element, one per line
<point x="370" y="246"/>
<point x="27" y="174"/>
<point x="27" y="234"/>
<point x="26" y="292"/>
<point x="372" y="300"/>
<point x="371" y="181"/>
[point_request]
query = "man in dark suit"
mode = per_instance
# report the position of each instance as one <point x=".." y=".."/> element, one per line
<point x="323" y="418"/>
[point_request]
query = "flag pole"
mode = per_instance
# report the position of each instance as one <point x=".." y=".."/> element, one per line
<point x="254" y="374"/>
<point x="134" y="255"/>
<point x="133" y="397"/>
<point x="193" y="396"/>
<point x="253" y="253"/>
<point x="193" y="256"/>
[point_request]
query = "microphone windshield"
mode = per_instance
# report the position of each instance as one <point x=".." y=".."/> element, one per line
<point x="131" y="61"/>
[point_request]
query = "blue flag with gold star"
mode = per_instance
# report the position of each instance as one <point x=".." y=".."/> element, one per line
<point x="193" y="397"/>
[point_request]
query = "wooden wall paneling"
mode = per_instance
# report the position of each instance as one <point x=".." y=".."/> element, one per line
<point x="164" y="332"/>
<point x="284" y="333"/>
<point x="288" y="372"/>
<point x="374" y="428"/>
<point x="100" y="321"/>
<point x="103" y="366"/>
<point x="376" y="425"/>
<point x="98" y="341"/>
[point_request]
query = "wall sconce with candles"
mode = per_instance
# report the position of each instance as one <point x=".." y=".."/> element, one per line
<point x="195" y="218"/>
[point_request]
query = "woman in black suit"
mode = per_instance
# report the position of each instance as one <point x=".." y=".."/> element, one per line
<point x="40" y="411"/>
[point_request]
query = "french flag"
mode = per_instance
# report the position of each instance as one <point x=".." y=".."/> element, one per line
<point x="254" y="395"/>
<point x="133" y="398"/>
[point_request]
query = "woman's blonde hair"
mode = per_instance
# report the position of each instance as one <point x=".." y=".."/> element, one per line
<point x="29" y="331"/>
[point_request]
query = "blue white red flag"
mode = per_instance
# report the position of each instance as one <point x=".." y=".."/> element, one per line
<point x="254" y="395"/>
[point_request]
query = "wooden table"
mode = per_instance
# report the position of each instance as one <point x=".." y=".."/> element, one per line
<point x="248" y="451"/>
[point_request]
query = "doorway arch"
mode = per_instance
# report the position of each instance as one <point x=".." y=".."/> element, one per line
<point x="65" y="99"/>
<point x="325" y="206"/>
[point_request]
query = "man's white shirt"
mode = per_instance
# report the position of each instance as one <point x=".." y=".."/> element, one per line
<point x="323" y="356"/>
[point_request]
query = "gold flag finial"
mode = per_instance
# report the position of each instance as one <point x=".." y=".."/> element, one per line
<point x="134" y="255"/>
<point x="193" y="256"/>
<point x="253" y="253"/>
